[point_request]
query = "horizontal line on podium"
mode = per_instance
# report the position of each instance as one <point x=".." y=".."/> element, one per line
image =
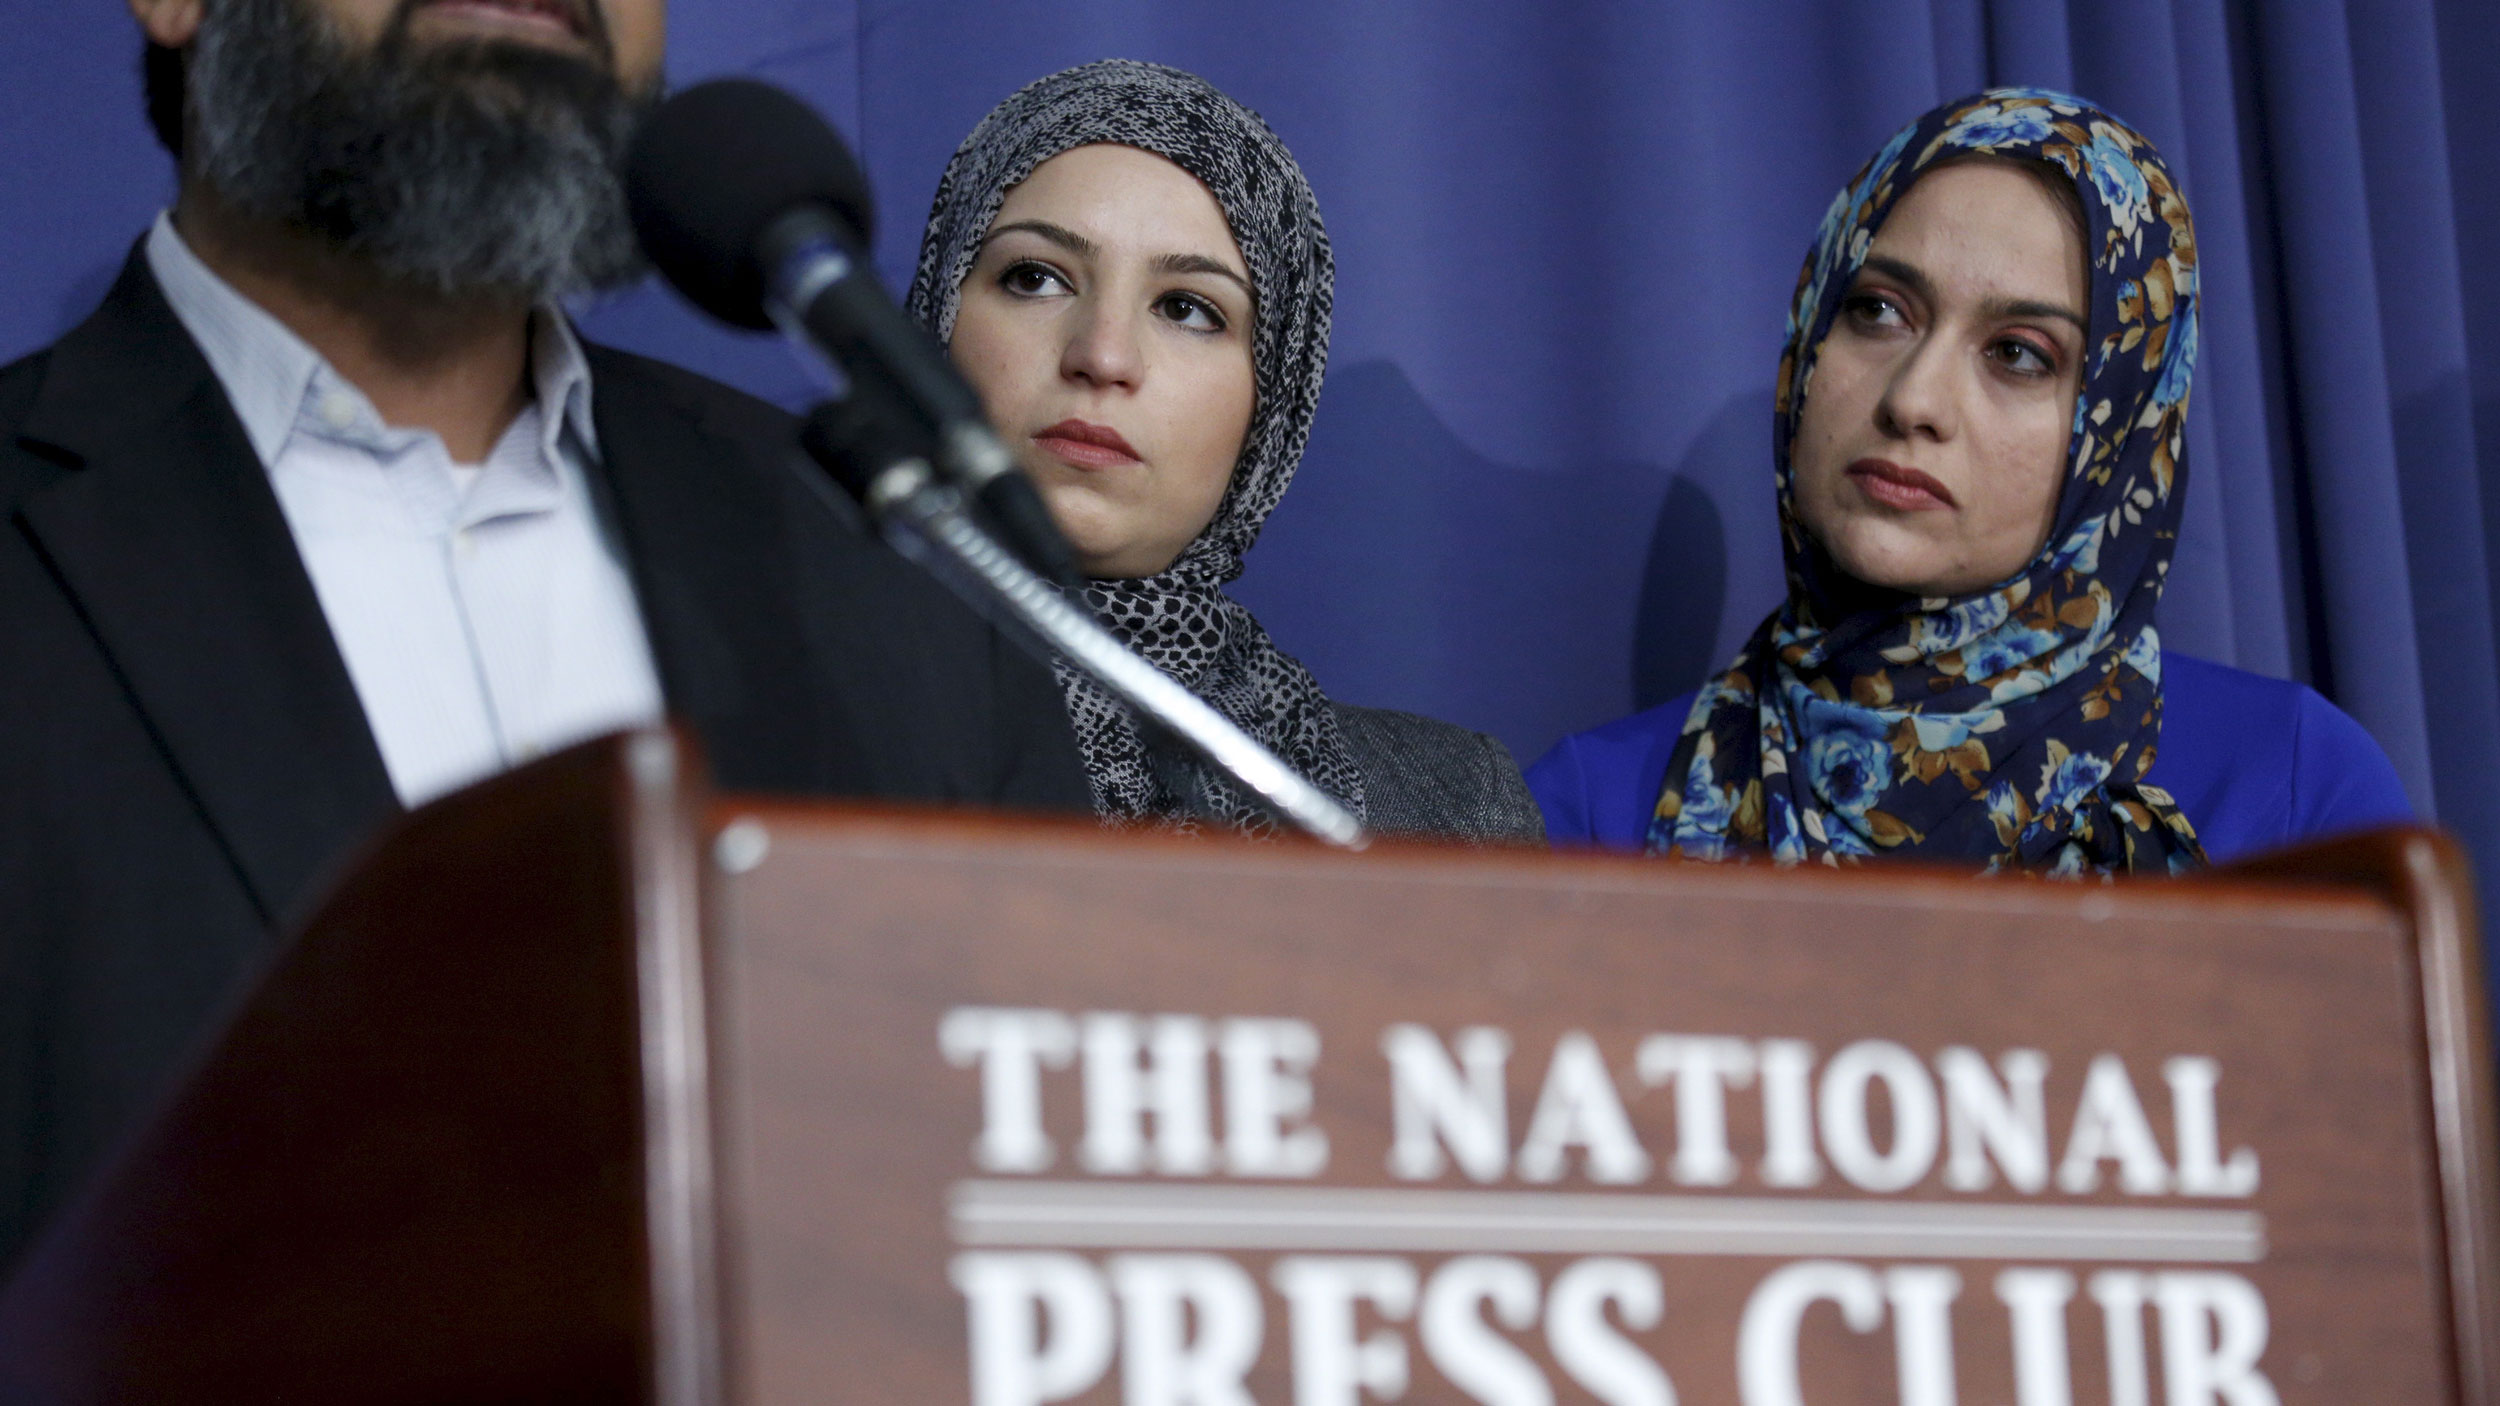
<point x="1163" y="1216"/>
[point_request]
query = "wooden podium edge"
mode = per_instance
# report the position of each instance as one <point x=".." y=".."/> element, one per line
<point x="668" y="800"/>
<point x="73" y="1319"/>
<point x="2426" y="876"/>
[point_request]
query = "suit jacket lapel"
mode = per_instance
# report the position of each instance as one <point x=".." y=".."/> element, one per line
<point x="171" y="542"/>
<point x="706" y="530"/>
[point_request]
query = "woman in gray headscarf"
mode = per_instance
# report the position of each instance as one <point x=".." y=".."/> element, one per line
<point x="1131" y="269"/>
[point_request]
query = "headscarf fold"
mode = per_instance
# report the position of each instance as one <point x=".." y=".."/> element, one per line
<point x="1180" y="618"/>
<point x="2013" y="725"/>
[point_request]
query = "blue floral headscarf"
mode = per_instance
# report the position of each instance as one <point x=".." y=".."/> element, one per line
<point x="2013" y="725"/>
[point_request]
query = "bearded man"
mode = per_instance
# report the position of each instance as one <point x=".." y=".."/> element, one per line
<point x="325" y="511"/>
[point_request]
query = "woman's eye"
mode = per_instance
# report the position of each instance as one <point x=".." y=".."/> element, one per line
<point x="1874" y="310"/>
<point x="1030" y="279"/>
<point x="2019" y="355"/>
<point x="1190" y="311"/>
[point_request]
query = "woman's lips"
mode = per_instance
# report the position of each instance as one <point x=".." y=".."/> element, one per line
<point x="1086" y="445"/>
<point x="1899" y="485"/>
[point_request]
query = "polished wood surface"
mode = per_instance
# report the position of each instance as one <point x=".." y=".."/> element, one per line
<point x="848" y="1136"/>
<point x="413" y="1169"/>
<point x="2427" y="877"/>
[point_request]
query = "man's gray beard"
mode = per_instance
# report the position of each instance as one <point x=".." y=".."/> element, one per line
<point x="457" y="169"/>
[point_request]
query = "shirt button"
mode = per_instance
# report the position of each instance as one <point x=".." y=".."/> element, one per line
<point x="338" y="410"/>
<point x="464" y="544"/>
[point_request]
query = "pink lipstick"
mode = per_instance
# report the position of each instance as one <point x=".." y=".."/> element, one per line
<point x="1087" y="445"/>
<point x="1899" y="486"/>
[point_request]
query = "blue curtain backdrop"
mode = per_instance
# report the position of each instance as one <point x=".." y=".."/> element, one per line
<point x="1538" y="495"/>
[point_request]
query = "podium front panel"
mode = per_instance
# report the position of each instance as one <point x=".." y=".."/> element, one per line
<point x="1017" y="1113"/>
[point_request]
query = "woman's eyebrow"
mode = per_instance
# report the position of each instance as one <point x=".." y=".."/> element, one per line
<point x="2020" y="307"/>
<point x="1202" y="263"/>
<point x="1084" y="248"/>
<point x="1060" y="235"/>
<point x="1907" y="275"/>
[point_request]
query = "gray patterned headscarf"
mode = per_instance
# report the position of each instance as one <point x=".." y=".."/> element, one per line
<point x="1180" y="618"/>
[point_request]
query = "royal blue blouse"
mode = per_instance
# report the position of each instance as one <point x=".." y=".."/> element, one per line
<point x="2254" y="763"/>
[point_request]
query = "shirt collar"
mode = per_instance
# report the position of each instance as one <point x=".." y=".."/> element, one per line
<point x="562" y="376"/>
<point x="268" y="371"/>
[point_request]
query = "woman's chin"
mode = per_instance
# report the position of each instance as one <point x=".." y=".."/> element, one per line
<point x="1129" y="565"/>
<point x="1880" y="561"/>
<point x="1118" y="559"/>
<point x="1110" y="541"/>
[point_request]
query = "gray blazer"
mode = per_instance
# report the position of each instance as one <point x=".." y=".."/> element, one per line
<point x="1424" y="777"/>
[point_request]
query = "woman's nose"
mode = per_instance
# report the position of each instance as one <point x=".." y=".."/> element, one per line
<point x="1919" y="398"/>
<point x="1102" y="348"/>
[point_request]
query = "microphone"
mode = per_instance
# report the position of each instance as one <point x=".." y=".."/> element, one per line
<point x="750" y="205"/>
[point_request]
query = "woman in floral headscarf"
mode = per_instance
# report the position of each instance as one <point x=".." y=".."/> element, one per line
<point x="1980" y="454"/>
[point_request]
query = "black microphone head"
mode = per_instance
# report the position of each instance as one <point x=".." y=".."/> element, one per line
<point x="854" y="440"/>
<point x="716" y="164"/>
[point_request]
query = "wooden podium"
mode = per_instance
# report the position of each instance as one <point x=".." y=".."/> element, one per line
<point x="586" y="1086"/>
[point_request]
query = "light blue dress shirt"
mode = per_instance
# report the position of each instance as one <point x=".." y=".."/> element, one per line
<point x="484" y="614"/>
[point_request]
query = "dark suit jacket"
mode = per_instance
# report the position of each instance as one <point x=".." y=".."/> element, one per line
<point x="183" y="760"/>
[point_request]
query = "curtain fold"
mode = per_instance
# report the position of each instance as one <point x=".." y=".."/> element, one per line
<point x="2418" y="264"/>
